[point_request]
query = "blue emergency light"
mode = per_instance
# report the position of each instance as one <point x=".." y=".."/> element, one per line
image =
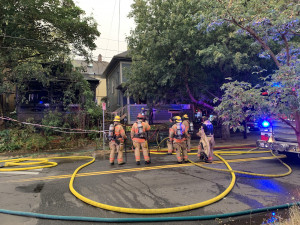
<point x="265" y="123"/>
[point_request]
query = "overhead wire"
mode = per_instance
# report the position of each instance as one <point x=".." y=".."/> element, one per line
<point x="111" y="25"/>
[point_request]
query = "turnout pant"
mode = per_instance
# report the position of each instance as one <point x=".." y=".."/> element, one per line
<point x="138" y="146"/>
<point x="206" y="145"/>
<point x="116" y="148"/>
<point x="188" y="143"/>
<point x="170" y="146"/>
<point x="181" y="152"/>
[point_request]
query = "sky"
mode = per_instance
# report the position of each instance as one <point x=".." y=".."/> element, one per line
<point x="113" y="28"/>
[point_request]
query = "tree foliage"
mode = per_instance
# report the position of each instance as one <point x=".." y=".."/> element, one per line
<point x="268" y="22"/>
<point x="173" y="61"/>
<point x="34" y="33"/>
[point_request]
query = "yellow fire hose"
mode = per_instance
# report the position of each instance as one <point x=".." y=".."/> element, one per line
<point x="46" y="163"/>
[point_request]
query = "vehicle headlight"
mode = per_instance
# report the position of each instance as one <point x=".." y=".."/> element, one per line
<point x="292" y="148"/>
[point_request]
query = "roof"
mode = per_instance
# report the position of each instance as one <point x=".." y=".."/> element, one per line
<point x="95" y="68"/>
<point x="124" y="56"/>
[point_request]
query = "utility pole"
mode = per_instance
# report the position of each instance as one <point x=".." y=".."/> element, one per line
<point x="103" y="123"/>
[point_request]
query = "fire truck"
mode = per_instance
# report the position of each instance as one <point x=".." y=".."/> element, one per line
<point x="279" y="137"/>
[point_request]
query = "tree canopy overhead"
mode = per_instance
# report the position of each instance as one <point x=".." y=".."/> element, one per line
<point x="268" y="22"/>
<point x="176" y="61"/>
<point x="35" y="32"/>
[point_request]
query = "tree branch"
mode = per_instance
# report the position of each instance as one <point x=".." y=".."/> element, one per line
<point x="261" y="41"/>
<point x="288" y="123"/>
<point x="295" y="33"/>
<point x="199" y="102"/>
<point x="286" y="48"/>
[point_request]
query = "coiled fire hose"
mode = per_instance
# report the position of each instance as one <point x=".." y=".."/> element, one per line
<point x="46" y="163"/>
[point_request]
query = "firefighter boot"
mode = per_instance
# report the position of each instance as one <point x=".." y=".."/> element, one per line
<point x="209" y="160"/>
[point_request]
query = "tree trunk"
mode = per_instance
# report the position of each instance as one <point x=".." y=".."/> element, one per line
<point x="225" y="132"/>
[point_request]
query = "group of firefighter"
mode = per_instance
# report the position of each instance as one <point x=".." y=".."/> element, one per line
<point x="179" y="139"/>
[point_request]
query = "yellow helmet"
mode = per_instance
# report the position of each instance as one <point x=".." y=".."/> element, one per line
<point x="178" y="119"/>
<point x="185" y="116"/>
<point x="117" y="119"/>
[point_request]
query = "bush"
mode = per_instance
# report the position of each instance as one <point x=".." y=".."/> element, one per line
<point x="8" y="142"/>
<point x="53" y="119"/>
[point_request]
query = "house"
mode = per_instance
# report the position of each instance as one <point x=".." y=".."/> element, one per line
<point x="119" y="103"/>
<point x="38" y="98"/>
<point x="94" y="71"/>
<point x="115" y="77"/>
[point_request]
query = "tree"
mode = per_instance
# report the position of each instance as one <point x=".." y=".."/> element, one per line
<point x="36" y="33"/>
<point x="268" y="22"/>
<point x="173" y="61"/>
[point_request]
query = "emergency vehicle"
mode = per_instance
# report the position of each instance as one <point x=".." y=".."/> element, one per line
<point x="278" y="136"/>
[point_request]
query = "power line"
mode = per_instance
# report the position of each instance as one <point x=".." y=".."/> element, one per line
<point x="111" y="24"/>
<point x="27" y="39"/>
<point x="119" y="25"/>
<point x="111" y="39"/>
<point x="112" y="50"/>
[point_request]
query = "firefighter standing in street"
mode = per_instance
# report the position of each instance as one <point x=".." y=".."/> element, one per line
<point x="186" y="123"/>
<point x="116" y="137"/>
<point x="207" y="141"/>
<point x="178" y="134"/>
<point x="169" y="142"/>
<point x="138" y="136"/>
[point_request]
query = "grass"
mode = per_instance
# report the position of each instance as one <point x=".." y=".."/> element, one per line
<point x="294" y="217"/>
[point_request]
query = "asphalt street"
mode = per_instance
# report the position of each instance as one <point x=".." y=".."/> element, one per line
<point x="162" y="184"/>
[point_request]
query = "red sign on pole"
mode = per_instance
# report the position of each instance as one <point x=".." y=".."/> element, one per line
<point x="103" y="106"/>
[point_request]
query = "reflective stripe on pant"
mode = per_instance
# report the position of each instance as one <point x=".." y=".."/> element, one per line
<point x="180" y="148"/>
<point x="114" y="147"/>
<point x="138" y="146"/>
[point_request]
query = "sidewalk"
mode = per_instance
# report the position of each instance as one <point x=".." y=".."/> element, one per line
<point x="235" y="139"/>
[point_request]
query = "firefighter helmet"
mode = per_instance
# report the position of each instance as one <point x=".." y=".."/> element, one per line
<point x="140" y="116"/>
<point x="185" y="116"/>
<point x="117" y="119"/>
<point x="178" y="119"/>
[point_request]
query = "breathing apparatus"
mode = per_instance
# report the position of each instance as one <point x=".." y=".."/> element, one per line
<point x="141" y="133"/>
<point x="179" y="134"/>
<point x="191" y="128"/>
<point x="111" y="130"/>
<point x="140" y="127"/>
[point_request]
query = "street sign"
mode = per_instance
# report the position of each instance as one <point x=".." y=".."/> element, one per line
<point x="103" y="106"/>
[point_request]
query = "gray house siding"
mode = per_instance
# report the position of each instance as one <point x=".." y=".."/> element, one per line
<point x="112" y="93"/>
<point x="115" y="75"/>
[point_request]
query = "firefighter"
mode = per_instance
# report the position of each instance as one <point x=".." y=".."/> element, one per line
<point x="139" y="139"/>
<point x="207" y="141"/>
<point x="169" y="142"/>
<point x="186" y="123"/>
<point x="116" y="138"/>
<point x="178" y="134"/>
